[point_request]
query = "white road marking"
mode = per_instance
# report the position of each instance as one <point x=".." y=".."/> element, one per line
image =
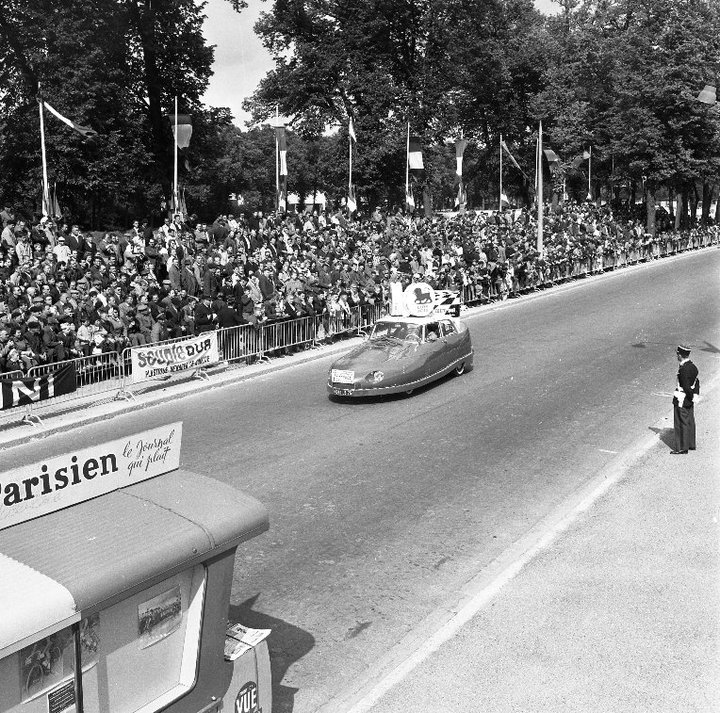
<point x="603" y="450"/>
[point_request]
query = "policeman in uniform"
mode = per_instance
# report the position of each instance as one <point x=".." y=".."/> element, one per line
<point x="688" y="386"/>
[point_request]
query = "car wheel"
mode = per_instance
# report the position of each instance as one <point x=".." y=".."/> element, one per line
<point x="460" y="369"/>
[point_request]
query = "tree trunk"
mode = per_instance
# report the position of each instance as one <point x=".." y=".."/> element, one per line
<point x="717" y="210"/>
<point x="145" y="27"/>
<point x="693" y="199"/>
<point x="650" y="210"/>
<point x="427" y="201"/>
<point x="678" y="210"/>
<point x="707" y="194"/>
<point x="684" y="218"/>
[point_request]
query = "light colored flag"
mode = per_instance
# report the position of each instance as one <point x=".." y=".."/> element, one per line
<point x="586" y="155"/>
<point x="551" y="156"/>
<point x="460" y="145"/>
<point x="84" y="131"/>
<point x="461" y="197"/>
<point x="415" y="157"/>
<point x="351" y="201"/>
<point x="351" y="130"/>
<point x="184" y="130"/>
<point x="511" y="157"/>
<point x="504" y="200"/>
<point x="282" y="148"/>
<point x="410" y="200"/>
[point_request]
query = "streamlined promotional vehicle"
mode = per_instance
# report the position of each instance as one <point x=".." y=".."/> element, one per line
<point x="405" y="351"/>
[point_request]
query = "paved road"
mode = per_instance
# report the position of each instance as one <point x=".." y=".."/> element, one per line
<point x="381" y="511"/>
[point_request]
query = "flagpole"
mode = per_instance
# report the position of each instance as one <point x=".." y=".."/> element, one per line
<point x="175" y="163"/>
<point x="589" y="173"/>
<point x="501" y="172"/>
<point x="277" y="162"/>
<point x="46" y="192"/>
<point x="540" y="191"/>
<point x="407" y="165"/>
<point x="349" y="165"/>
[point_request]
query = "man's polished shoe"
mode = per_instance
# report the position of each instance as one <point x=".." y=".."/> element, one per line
<point x="678" y="453"/>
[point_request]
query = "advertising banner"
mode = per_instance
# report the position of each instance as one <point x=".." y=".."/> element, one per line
<point x="20" y="392"/>
<point x="150" y="362"/>
<point x="39" y="489"/>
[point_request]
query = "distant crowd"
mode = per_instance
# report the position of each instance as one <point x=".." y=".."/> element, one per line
<point x="66" y="292"/>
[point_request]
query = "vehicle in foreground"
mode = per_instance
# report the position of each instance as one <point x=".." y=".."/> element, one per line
<point x="401" y="354"/>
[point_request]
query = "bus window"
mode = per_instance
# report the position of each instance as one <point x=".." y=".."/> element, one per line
<point x="138" y="655"/>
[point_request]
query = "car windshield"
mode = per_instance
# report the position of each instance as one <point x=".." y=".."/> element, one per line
<point x="396" y="330"/>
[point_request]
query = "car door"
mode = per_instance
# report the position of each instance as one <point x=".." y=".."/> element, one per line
<point x="451" y="339"/>
<point x="435" y="346"/>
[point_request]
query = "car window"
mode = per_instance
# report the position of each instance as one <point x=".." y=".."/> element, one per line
<point x="448" y="328"/>
<point x="432" y="332"/>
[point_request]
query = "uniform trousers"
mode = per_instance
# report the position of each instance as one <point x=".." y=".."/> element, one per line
<point x="684" y="428"/>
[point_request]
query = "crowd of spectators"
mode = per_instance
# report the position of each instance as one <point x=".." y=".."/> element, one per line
<point x="67" y="293"/>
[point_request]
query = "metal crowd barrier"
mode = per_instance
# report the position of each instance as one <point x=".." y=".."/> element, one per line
<point x="110" y="372"/>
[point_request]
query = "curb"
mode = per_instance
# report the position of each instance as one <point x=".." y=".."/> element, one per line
<point x="109" y="409"/>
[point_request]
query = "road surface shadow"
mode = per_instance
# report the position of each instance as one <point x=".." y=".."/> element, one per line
<point x="287" y="644"/>
<point x="667" y="436"/>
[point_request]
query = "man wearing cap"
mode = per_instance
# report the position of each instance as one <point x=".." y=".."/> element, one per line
<point x="205" y="318"/>
<point x="688" y="386"/>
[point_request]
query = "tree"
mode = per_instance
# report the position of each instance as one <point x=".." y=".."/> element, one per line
<point x="441" y="65"/>
<point x="113" y="65"/>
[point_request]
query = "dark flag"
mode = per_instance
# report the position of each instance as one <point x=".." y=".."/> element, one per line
<point x="21" y="392"/>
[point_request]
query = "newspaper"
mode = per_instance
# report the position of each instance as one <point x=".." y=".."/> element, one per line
<point x="239" y="639"/>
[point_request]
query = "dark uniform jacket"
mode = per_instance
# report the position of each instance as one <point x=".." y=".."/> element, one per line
<point x="687" y="376"/>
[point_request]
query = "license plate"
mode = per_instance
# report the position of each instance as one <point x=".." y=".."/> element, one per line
<point x="342" y="392"/>
<point x="342" y="376"/>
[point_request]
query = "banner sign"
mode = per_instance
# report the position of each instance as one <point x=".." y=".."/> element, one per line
<point x="419" y="299"/>
<point x="166" y="359"/>
<point x="72" y="478"/>
<point x="21" y="392"/>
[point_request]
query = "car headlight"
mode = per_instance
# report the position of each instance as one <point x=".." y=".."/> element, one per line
<point x="375" y="377"/>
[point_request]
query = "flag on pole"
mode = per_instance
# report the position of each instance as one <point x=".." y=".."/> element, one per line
<point x="584" y="156"/>
<point x="184" y="130"/>
<point x="461" y="197"/>
<point x="415" y="157"/>
<point x="84" y="131"/>
<point x="46" y="201"/>
<point x="282" y="148"/>
<point x="282" y="195"/>
<point x="351" y="200"/>
<point x="551" y="156"/>
<point x="54" y="203"/>
<point x="410" y="200"/>
<point x="511" y="157"/>
<point x="351" y="131"/>
<point x="460" y="145"/>
<point x="504" y="201"/>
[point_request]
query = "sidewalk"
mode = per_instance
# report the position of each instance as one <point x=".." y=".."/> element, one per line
<point x="618" y="613"/>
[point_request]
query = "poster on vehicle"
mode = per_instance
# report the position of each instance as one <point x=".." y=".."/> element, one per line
<point x="157" y="360"/>
<point x="159" y="617"/>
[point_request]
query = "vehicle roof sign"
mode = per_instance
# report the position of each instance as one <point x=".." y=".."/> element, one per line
<point x="419" y="299"/>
